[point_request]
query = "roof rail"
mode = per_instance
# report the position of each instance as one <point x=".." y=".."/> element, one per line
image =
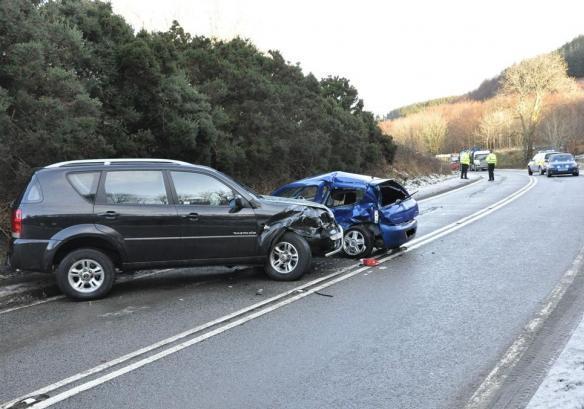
<point x="108" y="162"/>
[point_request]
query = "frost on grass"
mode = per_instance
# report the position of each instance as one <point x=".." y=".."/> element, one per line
<point x="563" y="386"/>
<point x="423" y="181"/>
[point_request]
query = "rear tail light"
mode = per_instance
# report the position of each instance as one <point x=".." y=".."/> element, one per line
<point x="16" y="223"/>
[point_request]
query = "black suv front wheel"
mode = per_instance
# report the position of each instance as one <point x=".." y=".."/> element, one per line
<point x="289" y="258"/>
<point x="85" y="274"/>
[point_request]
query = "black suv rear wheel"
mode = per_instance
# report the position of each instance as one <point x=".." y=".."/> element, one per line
<point x="85" y="274"/>
<point x="289" y="258"/>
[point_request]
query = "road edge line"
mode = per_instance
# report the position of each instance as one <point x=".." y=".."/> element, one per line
<point x="153" y="358"/>
<point x="484" y="394"/>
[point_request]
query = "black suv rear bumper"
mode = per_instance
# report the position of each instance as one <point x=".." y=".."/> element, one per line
<point x="27" y="255"/>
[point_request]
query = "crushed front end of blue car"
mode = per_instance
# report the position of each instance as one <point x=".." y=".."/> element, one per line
<point x="374" y="212"/>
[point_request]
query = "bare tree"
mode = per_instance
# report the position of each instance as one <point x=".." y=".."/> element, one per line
<point x="496" y="129"/>
<point x="432" y="131"/>
<point x="556" y="128"/>
<point x="530" y="81"/>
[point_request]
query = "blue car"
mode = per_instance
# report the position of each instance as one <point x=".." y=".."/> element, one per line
<point x="562" y="164"/>
<point x="374" y="212"/>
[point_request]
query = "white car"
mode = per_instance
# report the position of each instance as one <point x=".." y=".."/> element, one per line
<point x="539" y="162"/>
<point x="479" y="161"/>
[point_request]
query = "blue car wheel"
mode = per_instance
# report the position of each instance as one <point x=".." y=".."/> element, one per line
<point x="357" y="242"/>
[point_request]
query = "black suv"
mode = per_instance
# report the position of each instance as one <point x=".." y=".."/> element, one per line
<point x="86" y="220"/>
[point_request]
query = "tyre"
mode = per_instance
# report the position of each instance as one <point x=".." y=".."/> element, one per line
<point x="549" y="174"/>
<point x="529" y="171"/>
<point x="576" y="173"/>
<point x="357" y="242"/>
<point x="289" y="258"/>
<point x="85" y="274"/>
<point x="541" y="171"/>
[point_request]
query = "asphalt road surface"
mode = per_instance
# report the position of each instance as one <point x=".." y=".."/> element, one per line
<point x="422" y="330"/>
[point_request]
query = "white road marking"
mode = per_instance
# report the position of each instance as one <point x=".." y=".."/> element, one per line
<point x="481" y="398"/>
<point x="473" y="217"/>
<point x="121" y="279"/>
<point x="254" y="312"/>
<point x="164" y="342"/>
<point x="20" y="307"/>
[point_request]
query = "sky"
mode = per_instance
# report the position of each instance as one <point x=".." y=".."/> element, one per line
<point x="394" y="52"/>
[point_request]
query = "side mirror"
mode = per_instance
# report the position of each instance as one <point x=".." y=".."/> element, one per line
<point x="237" y="203"/>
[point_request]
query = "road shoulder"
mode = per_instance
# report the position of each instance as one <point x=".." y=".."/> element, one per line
<point x="537" y="368"/>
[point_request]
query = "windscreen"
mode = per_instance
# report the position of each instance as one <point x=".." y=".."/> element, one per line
<point x="547" y="155"/>
<point x="562" y="158"/>
<point x="300" y="192"/>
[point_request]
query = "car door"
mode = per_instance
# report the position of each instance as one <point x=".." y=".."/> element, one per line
<point x="212" y="226"/>
<point x="342" y="203"/>
<point x="134" y="204"/>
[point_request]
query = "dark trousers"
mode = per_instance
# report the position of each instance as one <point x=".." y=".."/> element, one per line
<point x="463" y="171"/>
<point x="491" y="171"/>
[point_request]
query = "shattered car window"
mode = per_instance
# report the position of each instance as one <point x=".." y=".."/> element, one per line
<point x="290" y="192"/>
<point x="308" y="193"/>
<point x="302" y="192"/>
<point x="390" y="195"/>
<point x="344" y="197"/>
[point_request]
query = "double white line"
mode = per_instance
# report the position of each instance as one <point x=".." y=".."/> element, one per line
<point x="176" y="343"/>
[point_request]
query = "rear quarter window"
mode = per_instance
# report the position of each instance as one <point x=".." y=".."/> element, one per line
<point x="85" y="183"/>
<point x="33" y="192"/>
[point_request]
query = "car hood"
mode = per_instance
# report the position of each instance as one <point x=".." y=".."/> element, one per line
<point x="286" y="201"/>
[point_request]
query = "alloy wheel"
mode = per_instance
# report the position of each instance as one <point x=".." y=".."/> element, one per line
<point x="354" y="243"/>
<point x="284" y="257"/>
<point x="85" y="275"/>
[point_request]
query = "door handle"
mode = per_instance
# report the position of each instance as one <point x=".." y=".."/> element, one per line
<point x="191" y="216"/>
<point x="109" y="215"/>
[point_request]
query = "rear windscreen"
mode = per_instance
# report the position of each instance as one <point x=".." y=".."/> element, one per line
<point x="390" y="193"/>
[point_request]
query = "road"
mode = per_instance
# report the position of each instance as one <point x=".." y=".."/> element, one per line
<point x="422" y="330"/>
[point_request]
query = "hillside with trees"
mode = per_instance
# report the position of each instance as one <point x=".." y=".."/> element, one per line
<point x="76" y="81"/>
<point x="536" y="103"/>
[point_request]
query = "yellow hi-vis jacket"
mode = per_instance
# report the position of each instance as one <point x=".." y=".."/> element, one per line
<point x="492" y="159"/>
<point x="465" y="158"/>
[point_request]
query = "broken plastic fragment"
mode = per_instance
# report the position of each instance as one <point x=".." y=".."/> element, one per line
<point x="369" y="262"/>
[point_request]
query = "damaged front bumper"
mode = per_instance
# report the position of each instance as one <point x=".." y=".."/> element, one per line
<point x="337" y="239"/>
